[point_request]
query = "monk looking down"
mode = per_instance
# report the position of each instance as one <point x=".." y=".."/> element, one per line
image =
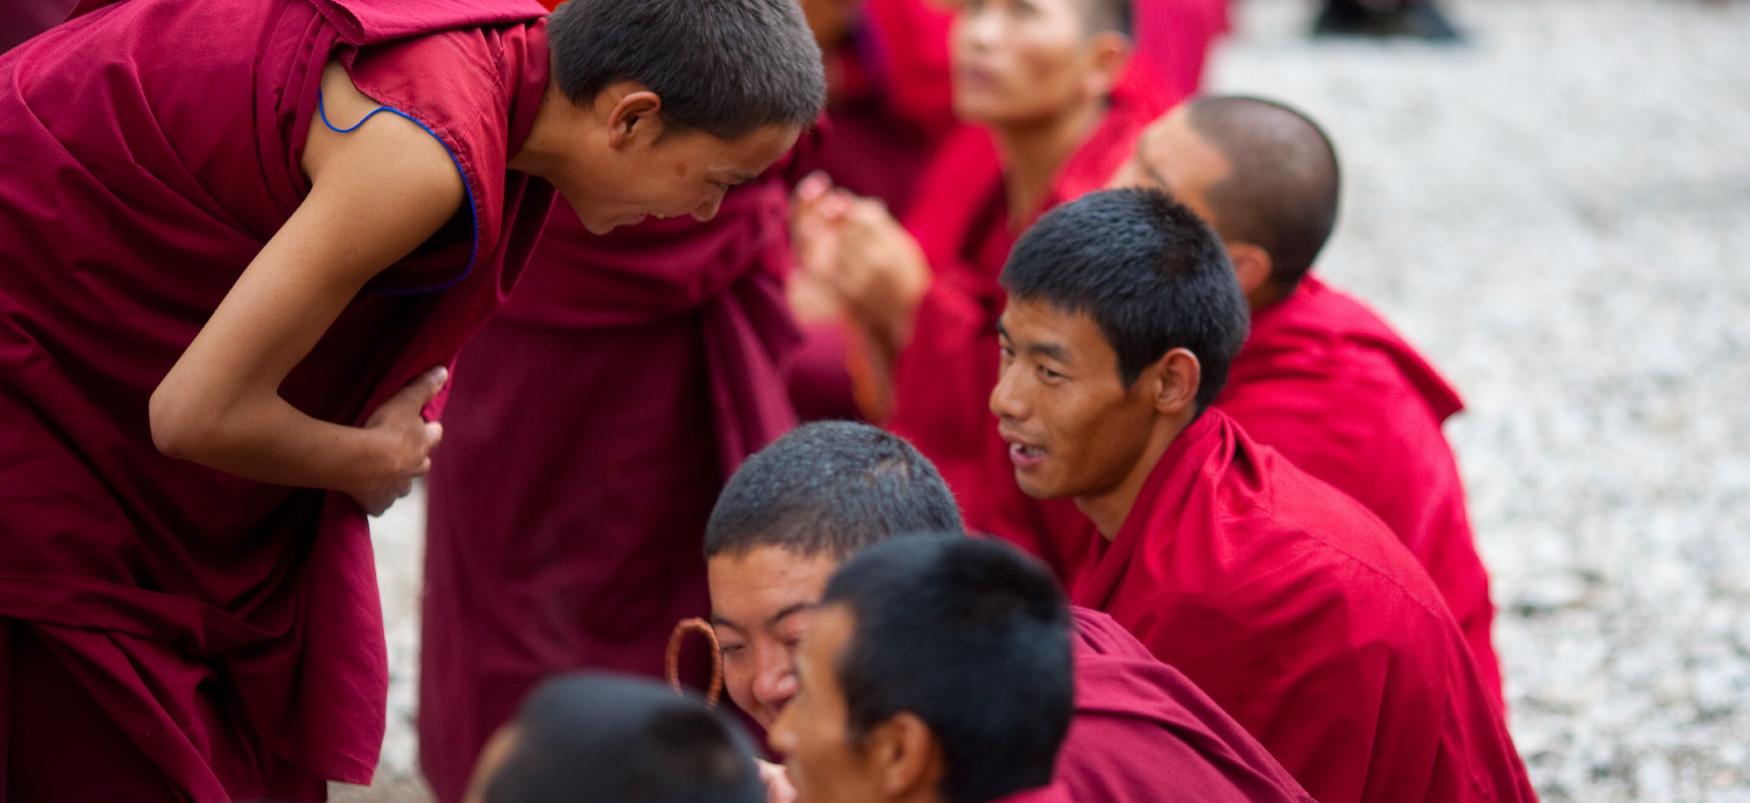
<point x="1040" y="79"/>
<point x="1321" y="378"/>
<point x="241" y="241"/>
<point x="1293" y="607"/>
<point x="1141" y="732"/>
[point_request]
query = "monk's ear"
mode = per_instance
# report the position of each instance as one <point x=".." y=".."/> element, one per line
<point x="633" y="118"/>
<point x="1176" y="376"/>
<point x="907" y="758"/>
<point x="1110" y="51"/>
<point x="1252" y="264"/>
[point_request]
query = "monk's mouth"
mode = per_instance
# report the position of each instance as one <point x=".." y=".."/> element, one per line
<point x="1024" y="456"/>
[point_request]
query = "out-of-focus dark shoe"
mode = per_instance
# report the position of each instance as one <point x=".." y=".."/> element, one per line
<point x="1413" y="20"/>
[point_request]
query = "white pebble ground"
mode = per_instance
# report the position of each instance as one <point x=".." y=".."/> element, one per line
<point x="1553" y="213"/>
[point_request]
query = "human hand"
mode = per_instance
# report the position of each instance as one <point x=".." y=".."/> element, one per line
<point x="405" y="440"/>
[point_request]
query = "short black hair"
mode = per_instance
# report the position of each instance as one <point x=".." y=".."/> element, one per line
<point x="609" y="737"/>
<point x="1283" y="189"/>
<point x="830" y="487"/>
<point x="972" y="637"/>
<point x="1147" y="270"/>
<point x="725" y="67"/>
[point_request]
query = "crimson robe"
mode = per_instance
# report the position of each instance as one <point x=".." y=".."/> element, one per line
<point x="1143" y="733"/>
<point x="1323" y="380"/>
<point x="943" y="378"/>
<point x="590" y="428"/>
<point x="229" y="629"/>
<point x="1299" y="613"/>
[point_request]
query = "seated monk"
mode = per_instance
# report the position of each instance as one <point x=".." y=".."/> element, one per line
<point x="1321" y="378"/>
<point x="1039" y="79"/>
<point x="590" y="737"/>
<point x="1140" y="732"/>
<point x="242" y="238"/>
<point x="1289" y="603"/>
<point x="934" y="670"/>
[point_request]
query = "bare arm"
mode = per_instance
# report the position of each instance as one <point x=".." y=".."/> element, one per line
<point x="376" y="193"/>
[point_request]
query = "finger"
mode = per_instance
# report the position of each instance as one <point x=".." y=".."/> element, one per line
<point x="434" y="435"/>
<point x="424" y="468"/>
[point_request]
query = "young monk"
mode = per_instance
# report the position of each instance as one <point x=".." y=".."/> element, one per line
<point x="1284" y="599"/>
<point x="796" y="510"/>
<point x="589" y="737"/>
<point x="1040" y="79"/>
<point x="242" y="238"/>
<point x="935" y="670"/>
<point x="1321" y="378"/>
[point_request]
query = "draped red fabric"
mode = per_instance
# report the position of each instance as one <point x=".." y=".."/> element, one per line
<point x="1299" y="613"/>
<point x="589" y="430"/>
<point x="1144" y="733"/>
<point x="206" y="615"/>
<point x="1323" y="380"/>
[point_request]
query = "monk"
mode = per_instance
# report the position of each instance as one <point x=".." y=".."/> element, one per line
<point x="934" y="670"/>
<point x="1040" y="79"/>
<point x="1321" y="378"/>
<point x="1140" y="732"/>
<point x="242" y="241"/>
<point x="595" y="736"/>
<point x="1289" y="603"/>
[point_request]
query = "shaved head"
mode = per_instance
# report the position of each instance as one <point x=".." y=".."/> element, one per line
<point x="1280" y="191"/>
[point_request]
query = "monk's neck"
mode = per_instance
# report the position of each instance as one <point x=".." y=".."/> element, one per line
<point x="1033" y="154"/>
<point x="1110" y="509"/>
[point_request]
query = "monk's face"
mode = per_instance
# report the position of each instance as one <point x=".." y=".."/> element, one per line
<point x="642" y="169"/>
<point x="1019" y="62"/>
<point x="813" y="732"/>
<point x="1073" y="428"/>
<point x="760" y="605"/>
<point x="1170" y="155"/>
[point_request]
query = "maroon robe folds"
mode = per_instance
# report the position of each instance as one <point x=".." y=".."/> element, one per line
<point x="943" y="378"/>
<point x="229" y="629"/>
<point x="1299" y="613"/>
<point x="590" y="429"/>
<point x="1143" y="733"/>
<point x="1323" y="380"/>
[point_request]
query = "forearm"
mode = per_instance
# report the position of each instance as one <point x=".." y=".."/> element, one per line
<point x="269" y="440"/>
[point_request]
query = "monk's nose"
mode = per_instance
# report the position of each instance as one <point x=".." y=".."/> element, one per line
<point x="1005" y="402"/>
<point x="708" y="209"/>
<point x="775" y="682"/>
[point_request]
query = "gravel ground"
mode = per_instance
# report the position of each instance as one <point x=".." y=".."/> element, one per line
<point x="1550" y="212"/>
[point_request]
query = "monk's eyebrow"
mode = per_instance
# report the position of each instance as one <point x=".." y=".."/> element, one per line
<point x="1051" y="350"/>
<point x="789" y="611"/>
<point x="718" y="621"/>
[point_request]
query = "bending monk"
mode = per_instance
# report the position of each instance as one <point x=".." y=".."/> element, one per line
<point x="1284" y="599"/>
<point x="1040" y="79"/>
<point x="1321" y="378"/>
<point x="1141" y="732"/>
<point x="239" y="250"/>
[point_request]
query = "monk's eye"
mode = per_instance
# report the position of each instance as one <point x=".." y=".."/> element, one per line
<point x="1050" y="376"/>
<point x="736" y="650"/>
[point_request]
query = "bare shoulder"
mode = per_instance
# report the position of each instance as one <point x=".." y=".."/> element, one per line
<point x="354" y="143"/>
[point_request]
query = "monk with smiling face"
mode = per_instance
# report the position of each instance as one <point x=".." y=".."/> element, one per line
<point x="242" y="240"/>
<point x="1322" y="378"/>
<point x="1294" y="607"/>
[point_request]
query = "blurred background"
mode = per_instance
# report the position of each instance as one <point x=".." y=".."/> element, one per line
<point x="1555" y="212"/>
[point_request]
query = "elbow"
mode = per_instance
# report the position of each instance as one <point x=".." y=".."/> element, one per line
<point x="178" y="430"/>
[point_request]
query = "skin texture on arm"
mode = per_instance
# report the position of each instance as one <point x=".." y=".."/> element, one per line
<point x="376" y="193"/>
